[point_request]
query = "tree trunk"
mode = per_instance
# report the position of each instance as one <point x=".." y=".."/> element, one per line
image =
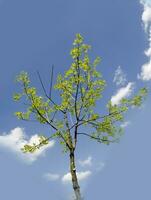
<point x="75" y="183"/>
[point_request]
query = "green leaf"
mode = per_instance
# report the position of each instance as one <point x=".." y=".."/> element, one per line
<point x="17" y="97"/>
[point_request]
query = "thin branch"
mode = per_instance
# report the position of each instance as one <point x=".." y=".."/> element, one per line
<point x="52" y="119"/>
<point x="91" y="120"/>
<point x="29" y="120"/>
<point x="52" y="126"/>
<point x="47" y="139"/>
<point x="51" y="81"/>
<point x="40" y="79"/>
<point x="49" y="123"/>
<point x="41" y="82"/>
<point x="71" y="118"/>
<point x="30" y="97"/>
<point x="96" y="138"/>
<point x="79" y="124"/>
<point x="110" y="114"/>
<point x="73" y="126"/>
<point x="46" y="120"/>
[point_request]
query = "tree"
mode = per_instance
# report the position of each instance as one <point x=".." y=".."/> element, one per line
<point x="79" y="89"/>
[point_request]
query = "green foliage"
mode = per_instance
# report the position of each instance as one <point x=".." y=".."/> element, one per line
<point x="79" y="88"/>
<point x="81" y="81"/>
<point x="31" y="148"/>
<point x="39" y="107"/>
<point x="137" y="100"/>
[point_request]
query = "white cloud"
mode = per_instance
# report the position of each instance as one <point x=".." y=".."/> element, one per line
<point x="81" y="176"/>
<point x="16" y="139"/>
<point x="146" y="15"/>
<point x="148" y="52"/>
<point x="122" y="93"/>
<point x="145" y="74"/>
<point x="87" y="162"/>
<point x="125" y="124"/>
<point x="119" y="77"/>
<point x="51" y="177"/>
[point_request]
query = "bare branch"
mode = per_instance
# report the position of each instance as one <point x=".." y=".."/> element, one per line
<point x="41" y="82"/>
<point x="51" y="81"/>
<point x="48" y="97"/>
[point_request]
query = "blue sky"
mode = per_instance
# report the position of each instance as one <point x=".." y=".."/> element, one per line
<point x="35" y="34"/>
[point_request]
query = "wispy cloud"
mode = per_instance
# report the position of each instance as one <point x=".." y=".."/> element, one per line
<point x="145" y="74"/>
<point x="51" y="177"/>
<point x="100" y="166"/>
<point x="125" y="124"/>
<point x="81" y="176"/>
<point x="122" y="93"/>
<point x="86" y="162"/>
<point x="119" y="77"/>
<point x="16" y="139"/>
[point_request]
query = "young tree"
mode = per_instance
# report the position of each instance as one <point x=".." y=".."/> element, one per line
<point x="79" y="88"/>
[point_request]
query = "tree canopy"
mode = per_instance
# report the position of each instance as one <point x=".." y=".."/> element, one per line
<point x="80" y="87"/>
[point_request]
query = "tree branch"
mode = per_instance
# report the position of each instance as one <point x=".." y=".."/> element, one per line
<point x="75" y="104"/>
<point x="77" y="90"/>
<point x="96" y="138"/>
<point x="91" y="120"/>
<point x="69" y="142"/>
<point x="51" y="81"/>
<point x="48" y="97"/>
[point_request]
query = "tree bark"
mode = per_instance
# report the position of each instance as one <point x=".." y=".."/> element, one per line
<point x="75" y="183"/>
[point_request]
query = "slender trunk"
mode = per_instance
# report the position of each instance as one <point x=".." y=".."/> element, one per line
<point x="75" y="183"/>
